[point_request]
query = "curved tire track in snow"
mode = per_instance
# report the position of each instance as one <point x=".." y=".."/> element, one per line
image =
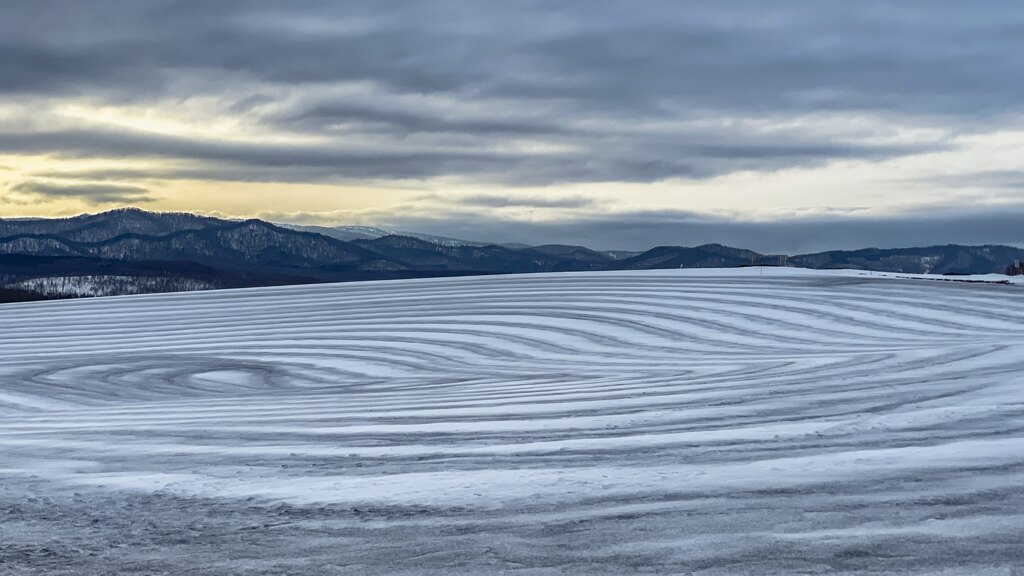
<point x="679" y="400"/>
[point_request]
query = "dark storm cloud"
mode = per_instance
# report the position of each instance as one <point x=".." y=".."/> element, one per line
<point x="255" y="161"/>
<point x="326" y="116"/>
<point x="106" y="144"/>
<point x="448" y="82"/>
<point x="91" y="193"/>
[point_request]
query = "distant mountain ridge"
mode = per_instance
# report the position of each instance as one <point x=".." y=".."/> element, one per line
<point x="105" y="225"/>
<point x="165" y="251"/>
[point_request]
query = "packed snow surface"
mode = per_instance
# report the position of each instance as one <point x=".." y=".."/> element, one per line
<point x="751" y="421"/>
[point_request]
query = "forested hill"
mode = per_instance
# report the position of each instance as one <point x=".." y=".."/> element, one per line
<point x="132" y="251"/>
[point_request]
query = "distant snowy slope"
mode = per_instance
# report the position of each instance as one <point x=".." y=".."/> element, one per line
<point x="350" y="233"/>
<point x="756" y="421"/>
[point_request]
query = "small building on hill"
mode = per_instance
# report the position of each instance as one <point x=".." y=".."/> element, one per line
<point x="1015" y="269"/>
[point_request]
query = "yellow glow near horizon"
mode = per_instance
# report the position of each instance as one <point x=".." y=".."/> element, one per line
<point x="854" y="187"/>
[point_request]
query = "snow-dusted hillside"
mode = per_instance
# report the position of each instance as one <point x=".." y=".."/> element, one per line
<point x="694" y="421"/>
<point x="88" y="286"/>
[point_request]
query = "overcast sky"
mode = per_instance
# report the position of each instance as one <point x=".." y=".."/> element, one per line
<point x="779" y="126"/>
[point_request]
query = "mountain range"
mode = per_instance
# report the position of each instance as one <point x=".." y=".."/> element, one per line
<point x="130" y="251"/>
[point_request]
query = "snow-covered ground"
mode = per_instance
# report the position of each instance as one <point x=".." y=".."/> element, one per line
<point x="750" y="421"/>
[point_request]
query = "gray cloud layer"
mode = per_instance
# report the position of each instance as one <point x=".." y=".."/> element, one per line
<point x="615" y="91"/>
<point x="595" y="77"/>
<point x="91" y="193"/>
<point x="602" y="55"/>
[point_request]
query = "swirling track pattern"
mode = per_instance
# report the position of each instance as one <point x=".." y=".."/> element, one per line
<point x="666" y="421"/>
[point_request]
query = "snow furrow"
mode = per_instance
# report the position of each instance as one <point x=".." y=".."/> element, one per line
<point x="536" y="397"/>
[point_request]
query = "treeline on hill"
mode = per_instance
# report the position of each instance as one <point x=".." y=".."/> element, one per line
<point x="130" y="251"/>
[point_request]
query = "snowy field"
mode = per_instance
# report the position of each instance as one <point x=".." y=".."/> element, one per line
<point x="696" y="422"/>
